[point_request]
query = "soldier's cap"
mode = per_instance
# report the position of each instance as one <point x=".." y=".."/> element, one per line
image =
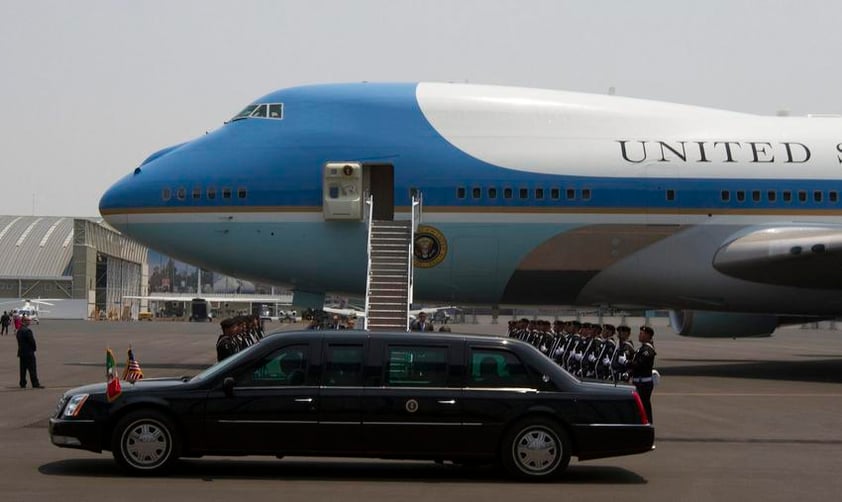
<point x="586" y="325"/>
<point x="609" y="327"/>
<point x="649" y="331"/>
<point x="227" y="323"/>
<point x="624" y="329"/>
<point x="576" y="323"/>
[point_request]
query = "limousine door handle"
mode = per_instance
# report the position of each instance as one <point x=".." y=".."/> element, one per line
<point x="447" y="401"/>
<point x="304" y="400"/>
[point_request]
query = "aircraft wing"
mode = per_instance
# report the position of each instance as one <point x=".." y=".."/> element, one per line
<point x="345" y="312"/>
<point x="800" y="256"/>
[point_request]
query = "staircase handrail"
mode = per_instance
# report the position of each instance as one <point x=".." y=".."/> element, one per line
<point x="370" y="202"/>
<point x="415" y="221"/>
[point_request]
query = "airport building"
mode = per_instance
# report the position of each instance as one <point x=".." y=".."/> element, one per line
<point x="81" y="262"/>
<point x="80" y="268"/>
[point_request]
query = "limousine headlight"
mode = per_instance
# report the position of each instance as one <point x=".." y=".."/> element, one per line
<point x="74" y="405"/>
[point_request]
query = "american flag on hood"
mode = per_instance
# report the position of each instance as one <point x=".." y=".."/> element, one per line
<point x="132" y="373"/>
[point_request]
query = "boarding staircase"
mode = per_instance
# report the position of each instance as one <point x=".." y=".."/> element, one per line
<point x="390" y="271"/>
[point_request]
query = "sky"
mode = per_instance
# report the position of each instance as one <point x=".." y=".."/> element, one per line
<point x="88" y="89"/>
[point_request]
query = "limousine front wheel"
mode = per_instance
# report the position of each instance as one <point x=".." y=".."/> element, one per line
<point x="535" y="449"/>
<point x="145" y="442"/>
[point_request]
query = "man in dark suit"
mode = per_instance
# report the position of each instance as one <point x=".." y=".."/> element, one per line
<point x="26" y="353"/>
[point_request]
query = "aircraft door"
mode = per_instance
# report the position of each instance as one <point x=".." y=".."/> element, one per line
<point x="382" y="188"/>
<point x="342" y="187"/>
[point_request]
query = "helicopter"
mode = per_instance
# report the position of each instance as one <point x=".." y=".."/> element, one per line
<point x="29" y="308"/>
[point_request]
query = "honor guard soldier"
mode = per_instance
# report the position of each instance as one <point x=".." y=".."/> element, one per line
<point x="226" y="346"/>
<point x="603" y="363"/>
<point x="641" y="369"/>
<point x="622" y="355"/>
<point x="592" y="351"/>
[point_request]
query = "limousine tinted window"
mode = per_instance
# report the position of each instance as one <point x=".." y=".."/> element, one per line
<point x="284" y="367"/>
<point x="343" y="366"/>
<point x="497" y="368"/>
<point x="416" y="366"/>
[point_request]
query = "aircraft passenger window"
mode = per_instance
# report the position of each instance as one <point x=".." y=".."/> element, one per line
<point x="833" y="196"/>
<point x="539" y="194"/>
<point x="755" y="195"/>
<point x="166" y="194"/>
<point x="197" y="193"/>
<point x="507" y="193"/>
<point x="492" y="193"/>
<point x="241" y="193"/>
<point x="586" y="194"/>
<point x="571" y="194"/>
<point x="260" y="111"/>
<point x="772" y="196"/>
<point x="802" y="196"/>
<point x="476" y="192"/>
<point x="460" y="193"/>
<point x="670" y="194"/>
<point x="276" y="111"/>
<point x="741" y="196"/>
<point x="555" y="193"/>
<point x="181" y="193"/>
<point x="226" y="192"/>
<point x="523" y="193"/>
<point x="211" y="193"/>
<point x="817" y="196"/>
<point x="725" y="196"/>
<point x="787" y="196"/>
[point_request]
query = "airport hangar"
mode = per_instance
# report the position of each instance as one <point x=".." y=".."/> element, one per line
<point x="81" y="261"/>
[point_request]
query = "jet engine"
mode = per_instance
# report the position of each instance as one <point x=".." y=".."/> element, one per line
<point x="697" y="323"/>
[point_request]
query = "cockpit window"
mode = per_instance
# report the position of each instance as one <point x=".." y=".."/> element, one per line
<point x="276" y="111"/>
<point x="264" y="110"/>
<point x="245" y="113"/>
<point x="260" y="111"/>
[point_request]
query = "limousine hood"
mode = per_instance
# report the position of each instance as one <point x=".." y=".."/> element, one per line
<point x="139" y="386"/>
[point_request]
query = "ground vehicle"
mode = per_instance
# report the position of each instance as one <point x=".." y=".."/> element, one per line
<point x="144" y="316"/>
<point x="361" y="394"/>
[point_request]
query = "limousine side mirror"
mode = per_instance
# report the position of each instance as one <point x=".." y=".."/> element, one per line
<point x="228" y="387"/>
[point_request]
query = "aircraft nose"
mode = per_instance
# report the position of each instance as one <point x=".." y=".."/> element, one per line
<point x="115" y="202"/>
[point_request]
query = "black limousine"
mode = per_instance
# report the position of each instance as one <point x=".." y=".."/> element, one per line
<point x="442" y="397"/>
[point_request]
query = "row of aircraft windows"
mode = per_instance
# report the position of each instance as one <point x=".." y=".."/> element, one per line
<point x="670" y="194"/>
<point x="525" y="193"/>
<point x="786" y="195"/>
<point x="225" y="193"/>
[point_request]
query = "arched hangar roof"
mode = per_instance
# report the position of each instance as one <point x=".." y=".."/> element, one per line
<point x="35" y="246"/>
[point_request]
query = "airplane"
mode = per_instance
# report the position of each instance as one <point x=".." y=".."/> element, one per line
<point x="732" y="221"/>
<point x="30" y="308"/>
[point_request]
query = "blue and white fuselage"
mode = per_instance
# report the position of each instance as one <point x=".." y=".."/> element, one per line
<point x="543" y="197"/>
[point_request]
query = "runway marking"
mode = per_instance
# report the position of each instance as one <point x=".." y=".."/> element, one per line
<point x="747" y="440"/>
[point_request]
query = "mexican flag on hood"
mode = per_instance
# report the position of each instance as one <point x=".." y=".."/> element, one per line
<point x="113" y="389"/>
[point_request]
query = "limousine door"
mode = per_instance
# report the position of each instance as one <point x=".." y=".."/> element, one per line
<point x="340" y="399"/>
<point x="498" y="387"/>
<point x="413" y="407"/>
<point x="272" y="408"/>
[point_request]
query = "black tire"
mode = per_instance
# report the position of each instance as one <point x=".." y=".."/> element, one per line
<point x="145" y="442"/>
<point x="535" y="449"/>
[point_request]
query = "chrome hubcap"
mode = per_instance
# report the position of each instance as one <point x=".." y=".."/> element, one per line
<point x="146" y="444"/>
<point x="536" y="450"/>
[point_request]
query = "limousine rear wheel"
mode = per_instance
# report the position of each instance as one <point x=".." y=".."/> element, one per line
<point x="145" y="442"/>
<point x="535" y="449"/>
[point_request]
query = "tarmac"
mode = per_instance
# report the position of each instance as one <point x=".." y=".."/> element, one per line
<point x="736" y="419"/>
